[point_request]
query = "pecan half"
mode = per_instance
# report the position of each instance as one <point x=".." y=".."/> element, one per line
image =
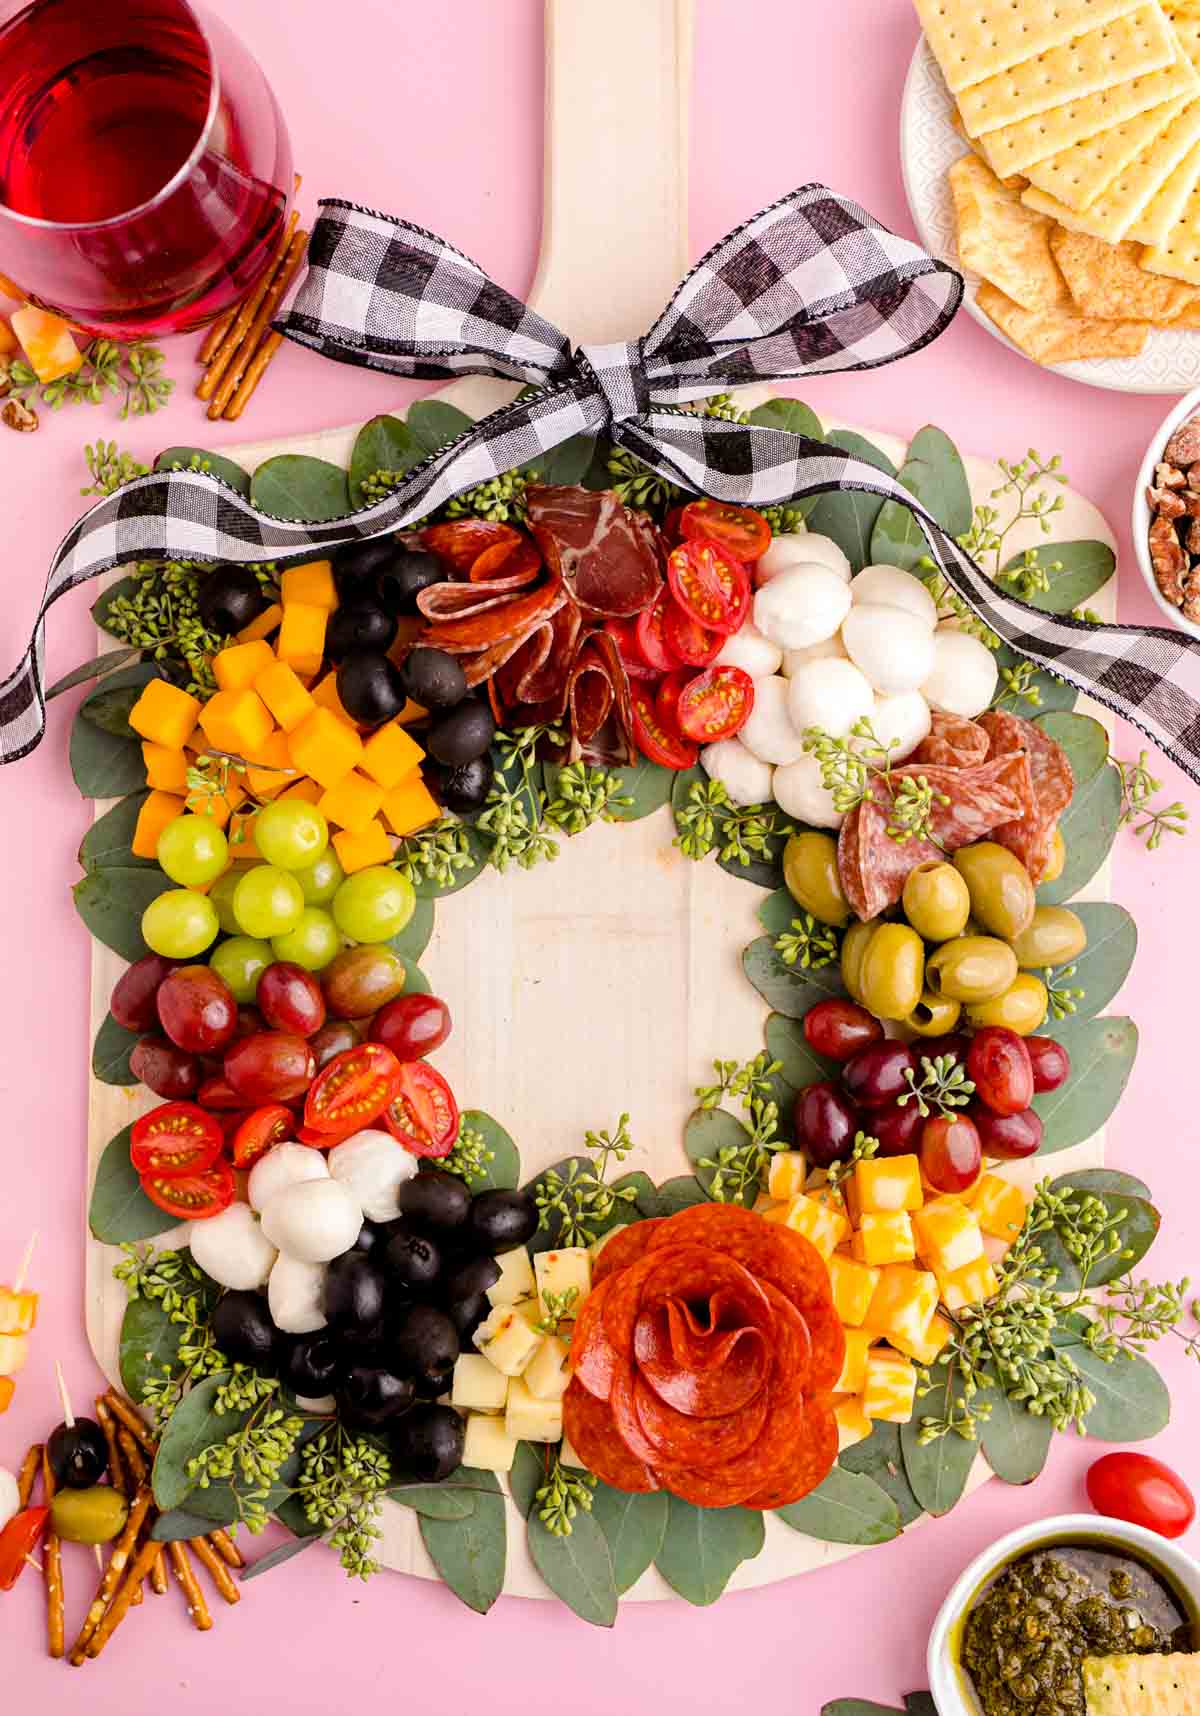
<point x="1168" y="476"/>
<point x="1168" y="560"/>
<point x="20" y="417"/>
<point x="1184" y="446"/>
<point x="1167" y="503"/>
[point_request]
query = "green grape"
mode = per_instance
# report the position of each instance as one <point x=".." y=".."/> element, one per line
<point x="179" y="924"/>
<point x="291" y="834"/>
<point x="374" y="904"/>
<point x="193" y="850"/>
<point x="241" y="961"/>
<point x="221" y="894"/>
<point x="313" y="942"/>
<point x="267" y="902"/>
<point x="319" y="882"/>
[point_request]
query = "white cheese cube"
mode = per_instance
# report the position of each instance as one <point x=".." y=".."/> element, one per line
<point x="528" y="1419"/>
<point x="487" y="1445"/>
<point x="508" y="1340"/>
<point x="516" y="1278"/>
<point x="478" y="1385"/>
<point x="547" y="1373"/>
<point x="568" y="1457"/>
<point x="560" y="1271"/>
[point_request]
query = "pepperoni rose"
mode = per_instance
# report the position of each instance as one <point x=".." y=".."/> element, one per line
<point x="703" y="1361"/>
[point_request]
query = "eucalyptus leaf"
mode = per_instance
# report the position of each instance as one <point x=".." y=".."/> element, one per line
<point x="800" y="1065"/>
<point x="434" y="1501"/>
<point x="645" y="1201"/>
<point x="790" y="415"/>
<point x="1102" y="967"/>
<point x="193" y="1426"/>
<point x="291" y="1515"/>
<point x="1105" y="1180"/>
<point x="415" y="980"/>
<point x="578" y="1568"/>
<point x="103" y="765"/>
<point x="703" y="1547"/>
<point x="1015" y="1442"/>
<point x="97" y="668"/>
<point x="111" y="903"/>
<point x="647" y="784"/>
<point x="383" y="444"/>
<point x="1102" y="1053"/>
<point x="178" y="1525"/>
<point x="858" y="1707"/>
<point x="681" y="1193"/>
<point x="849" y="516"/>
<point x="1088" y="827"/>
<point x="846" y="1507"/>
<point x="1086" y="568"/>
<point x="470" y="1553"/>
<point x="108" y="706"/>
<point x="1139" y="1225"/>
<point x="879" y="1458"/>
<point x="295" y="486"/>
<point x="937" y="1471"/>
<point x="1083" y="739"/>
<point x="1132" y="1400"/>
<point x="413" y="939"/>
<point x="277" y="1557"/>
<point x="111" y="1052"/>
<point x="1052" y="693"/>
<point x="172" y="458"/>
<point x="777" y="912"/>
<point x="435" y="424"/>
<point x="118" y="590"/>
<point x="789" y="989"/>
<point x="760" y="872"/>
<point x="503" y="1172"/>
<point x="709" y="1130"/>
<point x="919" y="1704"/>
<point x="149" y="1344"/>
<point x="109" y="841"/>
<point x="120" y="1210"/>
<point x="567" y="464"/>
<point x="634" y="1526"/>
<point x="527" y="1475"/>
<point x="933" y="474"/>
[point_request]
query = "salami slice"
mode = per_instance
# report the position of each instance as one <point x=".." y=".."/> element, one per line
<point x="588" y="1426"/>
<point x="809" y="1463"/>
<point x="1051" y="785"/>
<point x="507" y="565"/>
<point x="769" y="1252"/>
<point x="625" y="1247"/>
<point x="623" y="1406"/>
<point x="540" y="672"/>
<point x="738" y="1364"/>
<point x="492" y="618"/>
<point x="701" y="1443"/>
<point x="460" y="541"/>
<point x="953" y="741"/>
<point x="607" y="560"/>
<point x="592" y="1356"/>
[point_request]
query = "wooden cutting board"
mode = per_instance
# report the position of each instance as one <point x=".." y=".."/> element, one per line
<point x="609" y="980"/>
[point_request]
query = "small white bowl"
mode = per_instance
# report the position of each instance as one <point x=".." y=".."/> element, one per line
<point x="948" y="1681"/>
<point x="1187" y="408"/>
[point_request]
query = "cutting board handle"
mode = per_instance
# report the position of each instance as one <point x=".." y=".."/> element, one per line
<point x="614" y="224"/>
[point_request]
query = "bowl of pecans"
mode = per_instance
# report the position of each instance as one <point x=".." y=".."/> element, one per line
<point x="1166" y="516"/>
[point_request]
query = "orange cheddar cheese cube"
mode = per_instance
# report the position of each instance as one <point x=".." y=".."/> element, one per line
<point x="391" y="755"/>
<point x="236" y="721"/>
<point x="271" y="767"/>
<point x="970" y="1285"/>
<point x="410" y="806"/>
<point x="241" y="836"/>
<point x="284" y="695"/>
<point x="236" y="668"/>
<point x="852" y="1422"/>
<point x="311" y="585"/>
<point x="219" y="805"/>
<point x="999" y="1205"/>
<point x="853" y="1285"/>
<point x="411" y="712"/>
<point x="890" y="1389"/>
<point x="324" y="747"/>
<point x="263" y="625"/>
<point x="166" y="768"/>
<point x="325" y="695"/>
<point x="884" y="1236"/>
<point x="821" y="1226"/>
<point x="926" y="1349"/>
<point x="357" y="851"/>
<point x="352" y="802"/>
<point x="309" y="791"/>
<point x="47" y="343"/>
<point x="159" y="809"/>
<point x="948" y="1234"/>
<point x="963" y="1197"/>
<point x="165" y="715"/>
<point x="904" y="1301"/>
<point x="301" y="641"/>
<point x="888" y="1183"/>
<point x="854" y="1366"/>
<point x="787" y="1173"/>
<point x="7" y="1389"/>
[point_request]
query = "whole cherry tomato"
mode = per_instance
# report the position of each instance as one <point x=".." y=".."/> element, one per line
<point x="624" y="635"/>
<point x="666" y="698"/>
<point x="1143" y="1491"/>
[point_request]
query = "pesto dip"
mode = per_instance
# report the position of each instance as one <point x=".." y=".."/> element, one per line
<point x="1026" y="1636"/>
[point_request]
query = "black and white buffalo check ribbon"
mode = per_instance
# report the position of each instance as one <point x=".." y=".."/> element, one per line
<point x="812" y="284"/>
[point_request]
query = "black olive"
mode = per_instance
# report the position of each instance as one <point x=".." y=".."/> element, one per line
<point x="434" y="679"/>
<point x="355" y="564"/>
<point x="354" y="1290"/>
<point x="243" y="1330"/>
<point x="367" y="1343"/>
<point x="472" y="1278"/>
<point x="369" y="1396"/>
<point x="228" y="599"/>
<point x="467" y="1314"/>
<point x="462" y="735"/>
<point x="414" y="1260"/>
<point x="369" y="687"/>
<point x="312" y="1364"/>
<point x="358" y="625"/>
<point x="434" y="1386"/>
<point x="464" y="790"/>
<point x="501" y="1220"/>
<point x="424" y="1341"/>
<point x="403" y="579"/>
<point x="435" y="1200"/>
<point x="78" y="1454"/>
<point x="428" y="1445"/>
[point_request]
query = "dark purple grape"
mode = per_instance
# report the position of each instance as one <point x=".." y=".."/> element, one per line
<point x="826" y="1121"/>
<point x="876" y="1074"/>
<point x="897" y="1128"/>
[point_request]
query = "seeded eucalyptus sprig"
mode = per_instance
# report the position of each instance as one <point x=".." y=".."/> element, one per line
<point x="1018" y="685"/>
<point x="1138" y="787"/>
<point x="584" y="796"/>
<point x="501" y="500"/>
<point x="109" y="468"/>
<point x="581" y="1199"/>
<point x="984" y="541"/>
<point x="944" y="1086"/>
<point x="341" y="1486"/>
<point x="436" y="855"/>
<point x="558" y="1312"/>
<point x="738" y="1169"/>
<point x="252" y="1457"/>
<point x="470" y="1156"/>
<point x="566" y="1492"/>
<point x="133" y="372"/>
<point x="808" y="944"/>
<point x="739" y="834"/>
<point x="173" y="1282"/>
<point x="865" y="1149"/>
<point x="1063" y="996"/>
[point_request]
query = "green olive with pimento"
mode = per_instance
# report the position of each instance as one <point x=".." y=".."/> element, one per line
<point x="1002" y="895"/>
<point x="936" y="901"/>
<point x="892" y="973"/>
<point x="1022" y="1007"/>
<point x="1056" y="936"/>
<point x="810" y="874"/>
<point x="971" y="969"/>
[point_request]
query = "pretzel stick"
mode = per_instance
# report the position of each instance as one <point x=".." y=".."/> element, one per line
<point x="121" y="1409"/>
<point x="120" y="1605"/>
<point x="52" y="1550"/>
<point x="247" y="311"/>
<point x="254" y="374"/>
<point x="139" y="1472"/>
<point x="226" y="1548"/>
<point x="219" y="1573"/>
<point x="104" y="1418"/>
<point x="278" y="288"/>
<point x="214" y="336"/>
<point x="117" y="1563"/>
<point x="197" y="1607"/>
<point x="30" y="1467"/>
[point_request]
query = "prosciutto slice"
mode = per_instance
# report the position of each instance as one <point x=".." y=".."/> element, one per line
<point x="606" y="556"/>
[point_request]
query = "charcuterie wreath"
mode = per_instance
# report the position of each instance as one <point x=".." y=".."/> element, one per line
<point x="853" y="1287"/>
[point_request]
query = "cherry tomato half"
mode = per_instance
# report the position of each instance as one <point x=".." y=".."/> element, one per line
<point x="657" y="742"/>
<point x="1143" y="1491"/>
<point x="690" y="642"/>
<point x="739" y="530"/>
<point x="651" y="636"/>
<point x="192" y="1197"/>
<point x="710" y="585"/>
<point x="173" y="1139"/>
<point x="666" y="698"/>
<point x="352" y="1090"/>
<point x="424" y="1115"/>
<point x="624" y="635"/>
<point x="716" y="705"/>
<point x="259" y="1130"/>
<point x="19" y="1539"/>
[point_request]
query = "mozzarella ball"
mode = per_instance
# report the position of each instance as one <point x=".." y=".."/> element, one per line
<point x="891" y="646"/>
<point x="768" y="730"/>
<point x="894" y="588"/>
<point x="284" y="1165"/>
<point x="799" y="793"/>
<point x="314" y="1221"/>
<point x="10" y="1497"/>
<point x="901" y="723"/>
<point x="751" y="651"/>
<point x="800" y="548"/>
<point x="373" y="1166"/>
<point x="233" y="1249"/>
<point x="830" y="694"/>
<point x="745" y="778"/>
<point x="962" y="678"/>
<point x="296" y="1296"/>
<point x="829" y="649"/>
<point x="802" y="606"/>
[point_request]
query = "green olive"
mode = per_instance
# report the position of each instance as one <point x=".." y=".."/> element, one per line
<point x="972" y="968"/>
<point x="1055" y="937"/>
<point x="1058" y="858"/>
<point x="892" y="972"/>
<point x="810" y="871"/>
<point x="854" y="946"/>
<point x="1022" y="1007"/>
<point x="936" y="901"/>
<point x="934" y="1015"/>
<point x="1002" y="896"/>
<point x="95" y="1515"/>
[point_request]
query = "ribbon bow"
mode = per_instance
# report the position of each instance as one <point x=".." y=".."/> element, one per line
<point x="811" y="284"/>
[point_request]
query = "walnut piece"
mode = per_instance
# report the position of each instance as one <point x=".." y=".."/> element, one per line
<point x="1184" y="446"/>
<point x="1168" y="560"/>
<point x="18" y="416"/>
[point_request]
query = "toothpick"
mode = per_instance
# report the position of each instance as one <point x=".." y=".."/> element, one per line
<point x="23" y="1271"/>
<point x="68" y="1415"/>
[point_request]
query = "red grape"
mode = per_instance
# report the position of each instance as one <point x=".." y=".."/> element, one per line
<point x="955" y="1044"/>
<point x="897" y="1129"/>
<point x="826" y="1122"/>
<point x="411" y="1026"/>
<point x="332" y="1039"/>
<point x="249" y="1020"/>
<point x="1051" y="1063"/>
<point x="999" y="1066"/>
<point x="197" y="1009"/>
<point x="217" y="1092"/>
<point x="168" y="1071"/>
<point x="951" y="1155"/>
<point x="1011" y="1137"/>
<point x="876" y="1074"/>
<point x="135" y="992"/>
<point x="273" y="1066"/>
<point x="289" y="999"/>
<point x="838" y="1029"/>
<point x="360" y="980"/>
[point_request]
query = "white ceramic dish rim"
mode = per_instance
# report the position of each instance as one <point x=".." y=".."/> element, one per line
<point x="946" y="1682"/>
<point x="1187" y="407"/>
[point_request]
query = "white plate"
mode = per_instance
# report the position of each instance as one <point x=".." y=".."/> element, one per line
<point x="929" y="147"/>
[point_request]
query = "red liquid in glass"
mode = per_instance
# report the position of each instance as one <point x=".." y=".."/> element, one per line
<point x="163" y="213"/>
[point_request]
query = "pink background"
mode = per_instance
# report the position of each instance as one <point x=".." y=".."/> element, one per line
<point x="434" y="111"/>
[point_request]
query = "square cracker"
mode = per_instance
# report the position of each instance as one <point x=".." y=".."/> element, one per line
<point x="1078" y="175"/>
<point x="1131" y="46"/>
<point x="1108" y="280"/>
<point x="1142" y="1685"/>
<point x="1014" y="181"/>
<point x="1155" y="221"/>
<point x="975" y="39"/>
<point x="1177" y="255"/>
<point x="999" y="238"/>
<point x="1156" y="184"/>
<point x="1060" y="335"/>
